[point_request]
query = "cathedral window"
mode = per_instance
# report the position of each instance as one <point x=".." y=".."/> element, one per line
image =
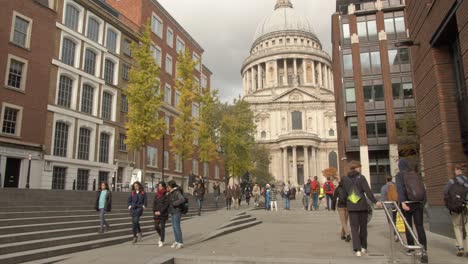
<point x="296" y="118"/>
<point x="263" y="135"/>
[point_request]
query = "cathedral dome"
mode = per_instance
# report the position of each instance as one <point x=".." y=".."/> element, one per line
<point x="284" y="19"/>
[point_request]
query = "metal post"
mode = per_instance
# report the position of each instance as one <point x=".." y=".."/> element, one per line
<point x="29" y="172"/>
<point x="163" y="159"/>
<point x="114" y="176"/>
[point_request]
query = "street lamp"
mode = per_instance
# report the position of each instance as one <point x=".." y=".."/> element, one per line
<point x="29" y="172"/>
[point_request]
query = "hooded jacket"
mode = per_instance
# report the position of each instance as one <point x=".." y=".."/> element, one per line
<point x="356" y="179"/>
<point x="161" y="204"/>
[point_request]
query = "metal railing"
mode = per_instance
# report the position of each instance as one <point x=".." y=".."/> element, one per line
<point x="393" y="229"/>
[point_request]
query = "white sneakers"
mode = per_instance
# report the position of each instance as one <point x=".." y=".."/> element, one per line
<point x="358" y="253"/>
<point x="174" y="245"/>
<point x="160" y="243"/>
<point x="177" y="245"/>
<point x="362" y="252"/>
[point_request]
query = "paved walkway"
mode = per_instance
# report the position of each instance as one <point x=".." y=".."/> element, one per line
<point x="295" y="236"/>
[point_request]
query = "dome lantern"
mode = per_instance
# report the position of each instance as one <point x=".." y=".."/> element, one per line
<point x="283" y="4"/>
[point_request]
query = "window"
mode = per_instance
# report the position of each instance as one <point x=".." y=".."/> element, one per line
<point x="122" y="144"/>
<point x="87" y="99"/>
<point x="61" y="139"/>
<point x="72" y="16"/>
<point x="402" y="90"/>
<point x="82" y="180"/>
<point x="350" y="93"/>
<point x="157" y="26"/>
<point x="371" y="28"/>
<point x="333" y="160"/>
<point x="152" y="156"/>
<point x="103" y="176"/>
<point x="68" y="52"/>
<point x="196" y="58"/>
<point x="204" y="83"/>
<point x="376" y="127"/>
<point x="170" y="37"/>
<point x="166" y="160"/>
<point x="206" y="169"/>
<point x="167" y="120"/>
<point x="21" y="31"/>
<point x="93" y="29"/>
<point x="16" y="74"/>
<point x="111" y="40"/>
<point x="64" y="96"/>
<point x="195" y="110"/>
<point x="106" y="111"/>
<point x="395" y="24"/>
<point x="58" y="178"/>
<point x="109" y="68"/>
<point x="104" y="144"/>
<point x="331" y="132"/>
<point x="180" y="46"/>
<point x="370" y="62"/>
<point x="11" y="121"/>
<point x="167" y="94"/>
<point x="346" y="32"/>
<point x="400" y="24"/>
<point x="178" y="163"/>
<point x="367" y="27"/>
<point x="176" y="98"/>
<point x="399" y="59"/>
<point x="348" y="65"/>
<point x="195" y="166"/>
<point x="127" y="47"/>
<point x="90" y="62"/>
<point x="125" y="71"/>
<point x="373" y="93"/>
<point x="84" y="141"/>
<point x="353" y="129"/>
<point x="296" y="118"/>
<point x="157" y="55"/>
<point x="169" y="64"/>
<point x="362" y="29"/>
<point x="124" y="103"/>
<point x="263" y="135"/>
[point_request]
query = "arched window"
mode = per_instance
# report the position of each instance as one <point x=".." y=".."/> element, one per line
<point x="90" y="62"/>
<point x="84" y="140"/>
<point x="87" y="99"/>
<point x="109" y="69"/>
<point x="331" y="132"/>
<point x="263" y="134"/>
<point x="111" y="40"/>
<point x="296" y="118"/>
<point x="72" y="15"/>
<point x="104" y="143"/>
<point x="93" y="29"/>
<point x="68" y="52"/>
<point x="61" y="139"/>
<point x="333" y="160"/>
<point x="106" y="112"/>
<point x="64" y="96"/>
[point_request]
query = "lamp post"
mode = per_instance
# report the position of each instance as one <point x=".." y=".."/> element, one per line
<point x="163" y="159"/>
<point x="113" y="180"/>
<point x="29" y="172"/>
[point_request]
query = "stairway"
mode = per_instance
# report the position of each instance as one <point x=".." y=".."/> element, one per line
<point x="38" y="224"/>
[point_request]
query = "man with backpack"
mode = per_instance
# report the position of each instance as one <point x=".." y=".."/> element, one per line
<point x="388" y="192"/>
<point x="177" y="204"/>
<point x="456" y="200"/>
<point x="306" y="195"/>
<point x="412" y="197"/>
<point x="315" y="191"/>
<point x="199" y="194"/>
<point x="329" y="189"/>
<point x="357" y="189"/>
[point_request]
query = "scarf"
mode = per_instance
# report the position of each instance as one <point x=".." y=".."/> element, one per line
<point x="160" y="194"/>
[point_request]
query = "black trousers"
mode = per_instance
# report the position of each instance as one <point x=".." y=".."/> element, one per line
<point x="416" y="215"/>
<point x="160" y="226"/>
<point x="358" y="222"/>
<point x="228" y="203"/>
<point x="136" y="224"/>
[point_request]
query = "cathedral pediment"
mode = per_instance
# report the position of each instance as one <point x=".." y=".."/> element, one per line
<point x="296" y="95"/>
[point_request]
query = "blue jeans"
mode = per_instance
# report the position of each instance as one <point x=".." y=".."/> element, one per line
<point x="176" y="227"/>
<point x="315" y="200"/>
<point x="200" y="203"/>
<point x="329" y="198"/>
<point x="305" y="201"/>
<point x="216" y="199"/>
<point x="286" y="203"/>
<point x="102" y="218"/>
<point x="136" y="224"/>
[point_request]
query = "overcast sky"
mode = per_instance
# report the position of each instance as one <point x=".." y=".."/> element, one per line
<point x="225" y="30"/>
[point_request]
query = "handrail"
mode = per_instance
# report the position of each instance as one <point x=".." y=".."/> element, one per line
<point x="394" y="229"/>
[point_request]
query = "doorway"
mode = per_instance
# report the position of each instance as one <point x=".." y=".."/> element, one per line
<point x="12" y="173"/>
<point x="300" y="174"/>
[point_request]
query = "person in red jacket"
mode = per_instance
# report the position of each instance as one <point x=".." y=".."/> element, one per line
<point x="329" y="189"/>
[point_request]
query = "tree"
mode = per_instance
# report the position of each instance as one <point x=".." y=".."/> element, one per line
<point x="185" y="124"/>
<point x="261" y="159"/>
<point x="144" y="98"/>
<point x="236" y="138"/>
<point x="207" y="126"/>
<point x="330" y="172"/>
<point x="408" y="139"/>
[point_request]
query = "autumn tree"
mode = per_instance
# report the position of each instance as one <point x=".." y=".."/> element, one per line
<point x="207" y="129"/>
<point x="261" y="161"/>
<point x="408" y="139"/>
<point x="185" y="124"/>
<point x="330" y="173"/>
<point x="144" y="98"/>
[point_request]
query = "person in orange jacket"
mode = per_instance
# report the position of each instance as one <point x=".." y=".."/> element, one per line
<point x="329" y="189"/>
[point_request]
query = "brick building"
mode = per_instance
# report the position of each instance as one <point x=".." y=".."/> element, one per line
<point x="25" y="57"/>
<point x="373" y="83"/>
<point x="439" y="45"/>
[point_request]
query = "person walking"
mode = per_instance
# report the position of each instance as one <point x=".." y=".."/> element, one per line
<point x="216" y="193"/>
<point x="247" y="194"/>
<point x="228" y="196"/>
<point x="273" y="198"/>
<point x="236" y="196"/>
<point x="160" y="212"/>
<point x="176" y="202"/>
<point x="315" y="192"/>
<point x="136" y="204"/>
<point x="103" y="206"/>
<point x="412" y="197"/>
<point x="256" y="194"/>
<point x="199" y="195"/>
<point x="306" y="195"/>
<point x="388" y="192"/>
<point x="329" y="189"/>
<point x="357" y="189"/>
<point x="339" y="202"/>
<point x="285" y="194"/>
<point x="456" y="200"/>
<point x="267" y="197"/>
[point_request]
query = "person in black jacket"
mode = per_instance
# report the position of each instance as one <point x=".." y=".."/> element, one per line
<point x="136" y="204"/>
<point x="176" y="203"/>
<point x="160" y="212"/>
<point x="103" y="205"/>
<point x="339" y="199"/>
<point x="357" y="189"/>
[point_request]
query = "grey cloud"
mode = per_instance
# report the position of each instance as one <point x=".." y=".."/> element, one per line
<point x="225" y="29"/>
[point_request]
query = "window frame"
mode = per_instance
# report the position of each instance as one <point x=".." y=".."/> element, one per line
<point x="117" y="41"/>
<point x="154" y="29"/>
<point x="59" y="182"/>
<point x="169" y="57"/>
<point x="80" y="15"/>
<point x="93" y="98"/>
<point x="122" y="145"/>
<point x="148" y="160"/>
<point x="107" y="157"/>
<point x="79" y="150"/>
<point x="170" y="41"/>
<point x="90" y="15"/>
<point x="27" y="42"/>
<point x="182" y="42"/>
<point x="157" y="58"/>
<point x="108" y="114"/>
<point x="55" y="151"/>
<point x="19" y="119"/>
<point x="82" y="184"/>
<point x="168" y="95"/>
<point x="24" y="73"/>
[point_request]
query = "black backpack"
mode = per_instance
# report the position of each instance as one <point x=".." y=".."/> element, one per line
<point x="457" y="196"/>
<point x="185" y="206"/>
<point x="327" y="186"/>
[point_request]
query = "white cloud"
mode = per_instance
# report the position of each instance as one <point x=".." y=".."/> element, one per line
<point x="225" y="29"/>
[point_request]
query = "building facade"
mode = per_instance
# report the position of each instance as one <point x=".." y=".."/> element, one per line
<point x="79" y="116"/>
<point x="25" y="57"/>
<point x="288" y="80"/>
<point x="373" y="84"/>
<point x="438" y="33"/>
